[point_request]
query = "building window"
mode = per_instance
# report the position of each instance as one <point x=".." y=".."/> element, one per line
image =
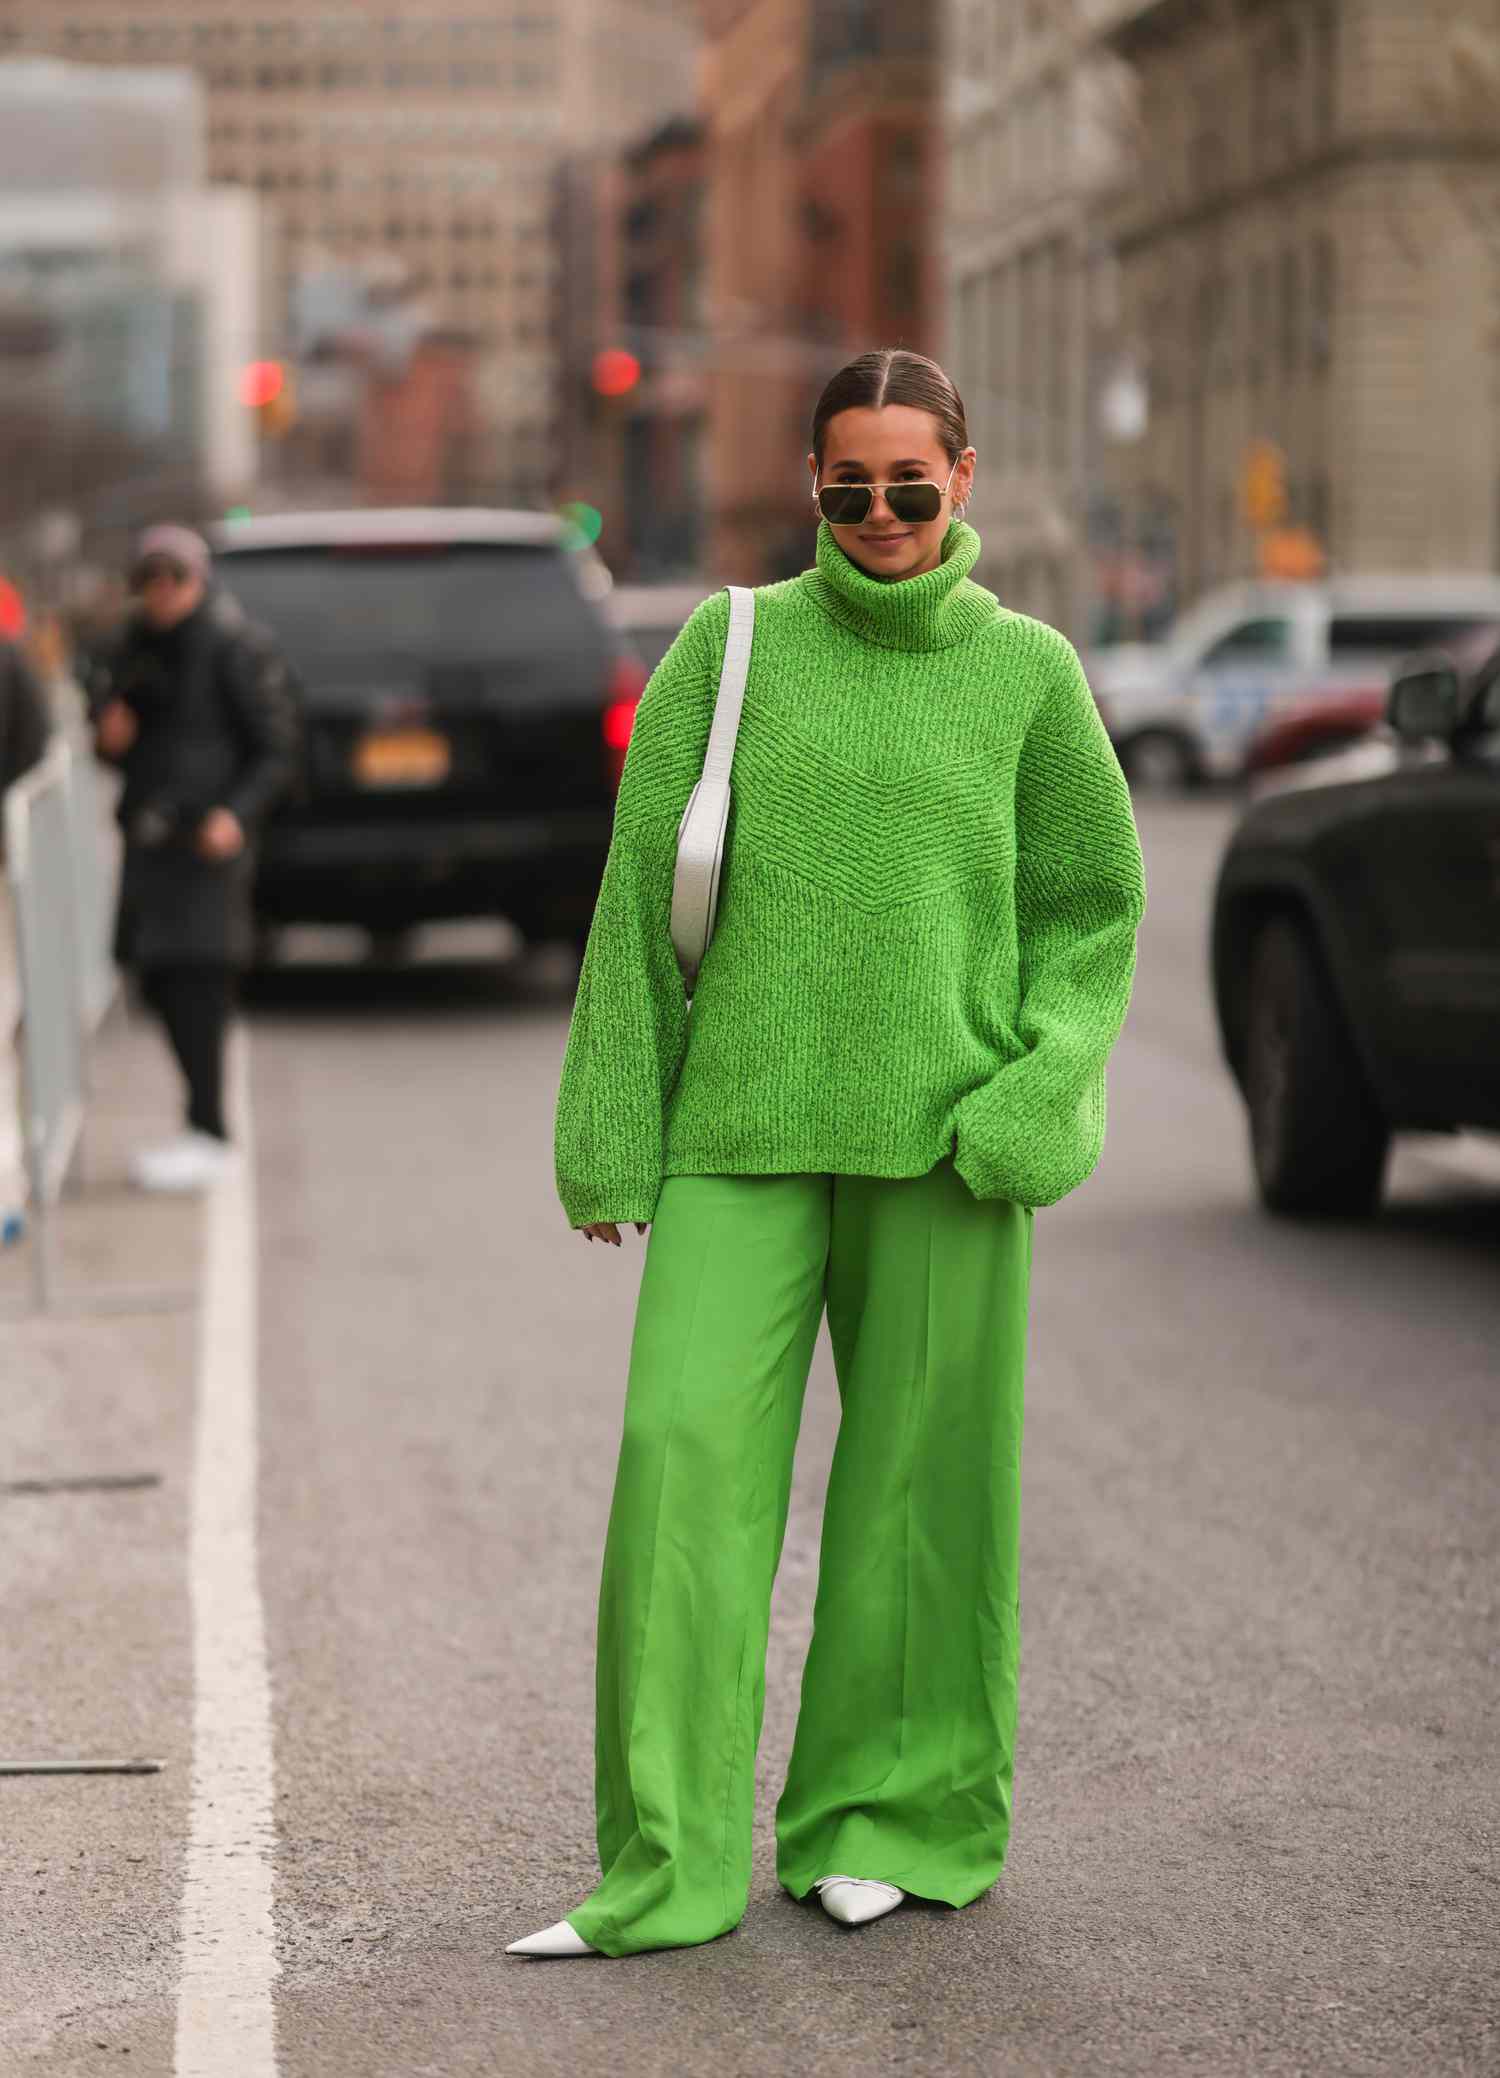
<point x="1218" y="545"/>
<point x="903" y="279"/>
<point x="1160" y="333"/>
<point x="1290" y="312"/>
<point x="1059" y="360"/>
<point x="995" y="400"/>
<point x="1258" y="324"/>
<point x="1319" y="515"/>
<point x="1028" y="311"/>
<point x="1209" y="162"/>
<point x="1325" y="34"/>
<point x="1322" y="278"/>
<point x="971" y="339"/>
<point x="901" y="169"/>
<point x="1215" y="356"/>
<point x="1275" y="93"/>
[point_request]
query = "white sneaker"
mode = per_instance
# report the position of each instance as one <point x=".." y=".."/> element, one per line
<point x="191" y="1162"/>
<point x="856" y="1899"/>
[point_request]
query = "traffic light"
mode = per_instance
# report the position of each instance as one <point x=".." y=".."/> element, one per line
<point x="12" y="611"/>
<point x="1263" y="498"/>
<point x="616" y="372"/>
<point x="585" y="523"/>
<point x="266" y="388"/>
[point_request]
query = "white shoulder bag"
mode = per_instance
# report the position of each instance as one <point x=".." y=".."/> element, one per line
<point x="700" y="834"/>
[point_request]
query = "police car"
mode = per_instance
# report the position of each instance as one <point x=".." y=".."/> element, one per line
<point x="1190" y="708"/>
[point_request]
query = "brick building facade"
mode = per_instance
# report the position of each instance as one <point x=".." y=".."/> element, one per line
<point x="819" y="119"/>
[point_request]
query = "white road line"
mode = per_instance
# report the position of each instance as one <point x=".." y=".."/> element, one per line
<point x="225" y="2020"/>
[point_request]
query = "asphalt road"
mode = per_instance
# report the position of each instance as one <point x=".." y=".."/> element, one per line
<point x="1257" y="1790"/>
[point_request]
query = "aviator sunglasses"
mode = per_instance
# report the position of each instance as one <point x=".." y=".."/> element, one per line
<point x="848" y="504"/>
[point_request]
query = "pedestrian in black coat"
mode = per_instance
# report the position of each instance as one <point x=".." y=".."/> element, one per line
<point x="202" y="722"/>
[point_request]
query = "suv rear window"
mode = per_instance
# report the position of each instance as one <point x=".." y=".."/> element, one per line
<point x="462" y="603"/>
<point x="1395" y="634"/>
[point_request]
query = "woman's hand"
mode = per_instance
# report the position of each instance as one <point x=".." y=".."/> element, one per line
<point x="606" y="1230"/>
<point x="220" y="836"/>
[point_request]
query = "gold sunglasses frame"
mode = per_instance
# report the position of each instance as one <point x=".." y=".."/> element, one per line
<point x="923" y="483"/>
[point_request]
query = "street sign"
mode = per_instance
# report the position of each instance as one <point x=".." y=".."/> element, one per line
<point x="1263" y="498"/>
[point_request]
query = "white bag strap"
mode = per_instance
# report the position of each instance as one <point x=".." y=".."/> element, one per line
<point x="700" y="834"/>
<point x="726" y="723"/>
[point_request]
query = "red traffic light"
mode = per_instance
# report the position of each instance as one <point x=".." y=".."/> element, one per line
<point x="261" y="383"/>
<point x="616" y="372"/>
<point x="12" y="611"/>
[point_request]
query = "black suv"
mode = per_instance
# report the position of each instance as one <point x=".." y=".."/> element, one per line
<point x="465" y="704"/>
<point x="1356" y="947"/>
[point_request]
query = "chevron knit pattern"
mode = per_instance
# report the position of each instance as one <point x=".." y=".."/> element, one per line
<point x="927" y="913"/>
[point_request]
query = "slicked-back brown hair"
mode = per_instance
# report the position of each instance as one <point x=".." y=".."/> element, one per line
<point x="894" y="375"/>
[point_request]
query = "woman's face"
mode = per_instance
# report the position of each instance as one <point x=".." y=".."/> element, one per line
<point x="895" y="443"/>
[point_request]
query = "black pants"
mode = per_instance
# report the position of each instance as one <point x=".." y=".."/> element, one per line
<point x="194" y="1004"/>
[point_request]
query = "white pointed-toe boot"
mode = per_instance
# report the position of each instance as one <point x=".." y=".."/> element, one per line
<point x="856" y="1899"/>
<point x="553" y="1940"/>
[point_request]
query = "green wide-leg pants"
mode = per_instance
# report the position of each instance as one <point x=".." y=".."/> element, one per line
<point x="901" y="1767"/>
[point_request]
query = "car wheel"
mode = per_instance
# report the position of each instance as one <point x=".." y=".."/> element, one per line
<point x="1158" y="762"/>
<point x="1318" y="1141"/>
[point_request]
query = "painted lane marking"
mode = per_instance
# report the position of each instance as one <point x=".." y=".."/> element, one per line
<point x="225" y="2018"/>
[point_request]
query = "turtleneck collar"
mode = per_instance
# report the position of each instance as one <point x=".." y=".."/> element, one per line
<point x="933" y="611"/>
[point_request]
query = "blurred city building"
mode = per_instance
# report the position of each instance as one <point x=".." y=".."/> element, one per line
<point x="1035" y="131"/>
<point x="424" y="136"/>
<point x="819" y="120"/>
<point x="1307" y="251"/>
<point x="384" y="397"/>
<point x="130" y="296"/>
<point x="633" y="351"/>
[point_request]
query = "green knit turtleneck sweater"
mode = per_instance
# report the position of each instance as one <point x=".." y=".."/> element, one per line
<point x="927" y="912"/>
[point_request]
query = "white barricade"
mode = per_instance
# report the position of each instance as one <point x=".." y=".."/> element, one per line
<point x="39" y="864"/>
<point x="59" y="877"/>
<point x="92" y="884"/>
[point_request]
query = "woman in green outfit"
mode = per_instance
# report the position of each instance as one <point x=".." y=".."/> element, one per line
<point x="895" y="1051"/>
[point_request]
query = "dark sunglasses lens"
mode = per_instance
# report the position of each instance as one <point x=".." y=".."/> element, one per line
<point x="845" y="504"/>
<point x="914" y="501"/>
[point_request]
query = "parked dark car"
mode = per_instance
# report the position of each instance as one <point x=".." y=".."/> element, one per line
<point x="1356" y="947"/>
<point x="466" y="702"/>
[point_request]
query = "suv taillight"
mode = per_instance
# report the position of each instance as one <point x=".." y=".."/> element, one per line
<point x="627" y="681"/>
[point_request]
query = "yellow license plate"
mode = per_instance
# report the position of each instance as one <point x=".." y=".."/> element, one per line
<point x="402" y="757"/>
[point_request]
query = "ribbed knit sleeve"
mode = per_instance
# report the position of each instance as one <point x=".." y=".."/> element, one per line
<point x="1035" y="1129"/>
<point x="629" y="1022"/>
